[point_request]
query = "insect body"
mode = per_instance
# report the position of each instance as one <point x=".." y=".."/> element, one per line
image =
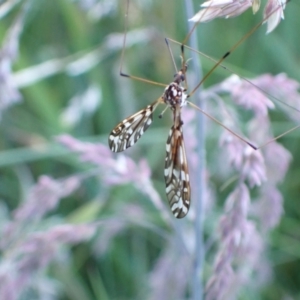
<point x="129" y="131"/>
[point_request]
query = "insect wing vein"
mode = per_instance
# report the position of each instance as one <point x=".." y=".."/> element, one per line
<point x="176" y="174"/>
<point x="128" y="132"/>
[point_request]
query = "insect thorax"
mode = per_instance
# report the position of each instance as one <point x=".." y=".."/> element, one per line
<point x="174" y="94"/>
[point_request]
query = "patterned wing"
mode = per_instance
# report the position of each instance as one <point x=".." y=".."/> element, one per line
<point x="176" y="173"/>
<point x="128" y="132"/>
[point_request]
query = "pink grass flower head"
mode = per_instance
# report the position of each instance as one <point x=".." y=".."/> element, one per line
<point x="234" y="149"/>
<point x="230" y="8"/>
<point x="170" y="275"/>
<point x="277" y="161"/>
<point x="269" y="208"/>
<point x="41" y="199"/>
<point x="240" y="247"/>
<point x="246" y="95"/>
<point x="245" y="159"/>
<point x="23" y="263"/>
<point x="119" y="170"/>
<point x="274" y="9"/>
<point x="233" y="236"/>
<point x="284" y="89"/>
<point x="254" y="169"/>
<point x="39" y="248"/>
<point x="116" y="170"/>
<point x="218" y="286"/>
<point x="45" y="196"/>
<point x="221" y="8"/>
<point x="236" y="211"/>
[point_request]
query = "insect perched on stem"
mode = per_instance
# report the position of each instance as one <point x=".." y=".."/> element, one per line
<point x="175" y="96"/>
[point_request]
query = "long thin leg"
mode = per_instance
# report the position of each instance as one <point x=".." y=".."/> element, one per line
<point x="219" y="63"/>
<point x="171" y="54"/>
<point x="235" y="46"/>
<point x="233" y="72"/>
<point x="221" y="124"/>
<point x="123" y="55"/>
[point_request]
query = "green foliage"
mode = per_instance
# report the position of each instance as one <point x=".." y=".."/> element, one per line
<point x="60" y="33"/>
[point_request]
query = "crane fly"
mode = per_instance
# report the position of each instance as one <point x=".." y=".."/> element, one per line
<point x="174" y="96"/>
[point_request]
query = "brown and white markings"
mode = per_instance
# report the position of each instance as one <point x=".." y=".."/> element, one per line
<point x="130" y="130"/>
<point x="176" y="170"/>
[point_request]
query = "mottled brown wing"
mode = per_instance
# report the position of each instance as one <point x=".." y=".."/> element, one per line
<point x="128" y="132"/>
<point x="176" y="173"/>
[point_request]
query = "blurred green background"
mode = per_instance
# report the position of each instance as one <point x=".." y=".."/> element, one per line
<point x="65" y="31"/>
